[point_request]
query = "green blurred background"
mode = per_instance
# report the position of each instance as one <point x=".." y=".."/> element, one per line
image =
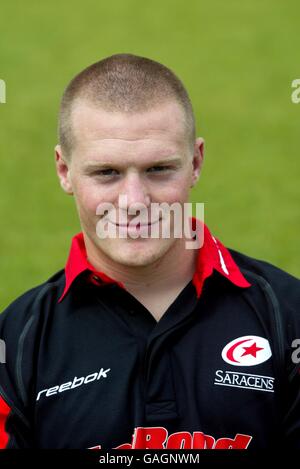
<point x="237" y="60"/>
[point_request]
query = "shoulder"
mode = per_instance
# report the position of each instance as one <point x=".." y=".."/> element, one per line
<point x="282" y="288"/>
<point x="280" y="280"/>
<point x="20" y="329"/>
<point x="282" y="291"/>
<point x="29" y="304"/>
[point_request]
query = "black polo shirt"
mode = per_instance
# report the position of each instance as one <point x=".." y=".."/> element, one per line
<point x="88" y="366"/>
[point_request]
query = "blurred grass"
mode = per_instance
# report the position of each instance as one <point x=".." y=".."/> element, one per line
<point x="237" y="60"/>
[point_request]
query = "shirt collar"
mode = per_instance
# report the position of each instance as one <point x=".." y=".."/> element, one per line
<point x="212" y="255"/>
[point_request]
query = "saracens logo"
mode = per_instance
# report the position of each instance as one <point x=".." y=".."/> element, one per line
<point x="248" y="350"/>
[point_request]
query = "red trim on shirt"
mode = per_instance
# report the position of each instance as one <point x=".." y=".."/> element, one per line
<point x="212" y="255"/>
<point x="77" y="263"/>
<point x="4" y="413"/>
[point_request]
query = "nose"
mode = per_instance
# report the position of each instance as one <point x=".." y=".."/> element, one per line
<point x="136" y="192"/>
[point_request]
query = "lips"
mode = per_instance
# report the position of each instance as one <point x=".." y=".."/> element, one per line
<point x="138" y="225"/>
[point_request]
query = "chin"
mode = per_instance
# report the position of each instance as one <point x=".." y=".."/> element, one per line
<point x="139" y="254"/>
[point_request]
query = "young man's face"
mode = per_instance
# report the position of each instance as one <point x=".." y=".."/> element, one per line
<point x="143" y="156"/>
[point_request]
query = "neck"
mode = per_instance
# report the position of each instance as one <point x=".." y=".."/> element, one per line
<point x="175" y="268"/>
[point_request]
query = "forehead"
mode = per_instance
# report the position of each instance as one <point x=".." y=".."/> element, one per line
<point x="158" y="129"/>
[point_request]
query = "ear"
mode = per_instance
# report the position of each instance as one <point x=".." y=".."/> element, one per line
<point x="63" y="171"/>
<point x="198" y="158"/>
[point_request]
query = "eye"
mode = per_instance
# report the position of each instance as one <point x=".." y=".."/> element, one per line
<point x="106" y="172"/>
<point x="158" y="169"/>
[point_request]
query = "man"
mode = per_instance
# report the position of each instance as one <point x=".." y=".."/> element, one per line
<point x="141" y="342"/>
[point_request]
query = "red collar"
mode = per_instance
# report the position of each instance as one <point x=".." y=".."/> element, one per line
<point x="212" y="255"/>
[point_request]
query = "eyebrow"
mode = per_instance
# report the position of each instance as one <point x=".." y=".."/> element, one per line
<point x="107" y="164"/>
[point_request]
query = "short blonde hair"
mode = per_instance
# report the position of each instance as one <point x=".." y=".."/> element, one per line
<point x="125" y="83"/>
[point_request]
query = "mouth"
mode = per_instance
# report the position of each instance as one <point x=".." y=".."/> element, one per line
<point x="137" y="226"/>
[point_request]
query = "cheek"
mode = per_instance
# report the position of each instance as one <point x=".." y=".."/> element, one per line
<point x="177" y="191"/>
<point x="89" y="196"/>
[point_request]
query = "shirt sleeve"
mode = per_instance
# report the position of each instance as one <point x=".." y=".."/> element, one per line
<point x="5" y="411"/>
<point x="17" y="335"/>
<point x="288" y="294"/>
<point x="292" y="413"/>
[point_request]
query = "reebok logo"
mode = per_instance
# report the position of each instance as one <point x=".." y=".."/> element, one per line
<point x="75" y="383"/>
